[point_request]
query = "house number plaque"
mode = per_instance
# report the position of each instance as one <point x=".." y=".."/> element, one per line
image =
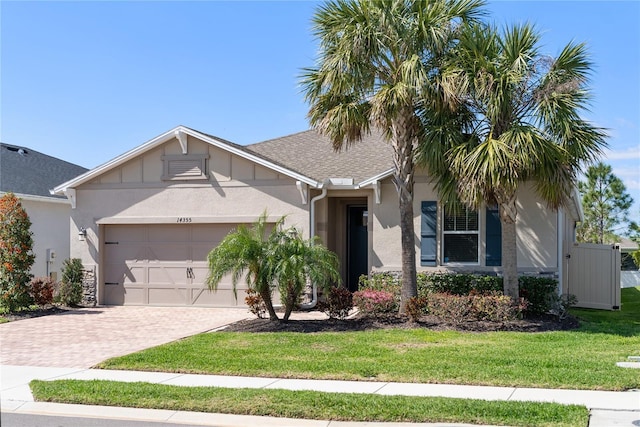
<point x="184" y="220"/>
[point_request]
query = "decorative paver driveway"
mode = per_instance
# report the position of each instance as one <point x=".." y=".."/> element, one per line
<point x="85" y="337"/>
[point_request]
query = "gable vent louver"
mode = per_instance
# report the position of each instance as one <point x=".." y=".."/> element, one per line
<point x="184" y="167"/>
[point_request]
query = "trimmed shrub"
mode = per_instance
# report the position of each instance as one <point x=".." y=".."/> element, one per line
<point x="256" y="303"/>
<point x="386" y="282"/>
<point x="417" y="307"/>
<point x="69" y="291"/>
<point x="494" y="307"/>
<point x="461" y="284"/>
<point x="540" y="292"/>
<point x="41" y="290"/>
<point x="338" y="303"/>
<point x="371" y="302"/>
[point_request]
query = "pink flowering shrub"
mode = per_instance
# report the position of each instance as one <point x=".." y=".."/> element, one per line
<point x="371" y="302"/>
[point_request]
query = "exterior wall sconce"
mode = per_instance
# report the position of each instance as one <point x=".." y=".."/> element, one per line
<point x="82" y="235"/>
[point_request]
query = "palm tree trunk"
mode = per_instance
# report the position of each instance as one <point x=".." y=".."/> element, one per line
<point x="508" y="215"/>
<point x="403" y="180"/>
<point x="266" y="297"/>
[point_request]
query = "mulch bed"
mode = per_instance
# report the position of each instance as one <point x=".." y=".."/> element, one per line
<point x="39" y="312"/>
<point x="361" y="323"/>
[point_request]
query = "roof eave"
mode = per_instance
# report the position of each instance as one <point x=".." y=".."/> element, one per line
<point x="160" y="139"/>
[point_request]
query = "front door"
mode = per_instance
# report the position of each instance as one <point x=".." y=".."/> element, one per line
<point x="357" y="247"/>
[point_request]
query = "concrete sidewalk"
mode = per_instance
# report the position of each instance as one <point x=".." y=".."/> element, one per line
<point x="607" y="408"/>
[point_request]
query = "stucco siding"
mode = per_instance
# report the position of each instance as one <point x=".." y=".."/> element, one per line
<point x="536" y="232"/>
<point x="50" y="227"/>
<point x="537" y="227"/>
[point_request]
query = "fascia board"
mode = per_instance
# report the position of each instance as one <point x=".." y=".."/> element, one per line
<point x="373" y="179"/>
<point x="262" y="162"/>
<point x="34" y="198"/>
<point x="117" y="161"/>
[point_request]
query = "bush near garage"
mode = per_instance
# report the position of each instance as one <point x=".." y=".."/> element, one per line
<point x="69" y="290"/>
<point x="41" y="290"/>
<point x="16" y="255"/>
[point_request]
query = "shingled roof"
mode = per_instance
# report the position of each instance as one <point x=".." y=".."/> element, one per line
<point x="29" y="172"/>
<point x="311" y="154"/>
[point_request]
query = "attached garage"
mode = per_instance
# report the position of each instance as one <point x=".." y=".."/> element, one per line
<point x="163" y="264"/>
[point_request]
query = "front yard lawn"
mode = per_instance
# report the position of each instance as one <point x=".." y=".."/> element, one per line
<point x="579" y="359"/>
<point x="311" y="405"/>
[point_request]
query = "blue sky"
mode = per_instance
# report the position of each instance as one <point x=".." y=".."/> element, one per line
<point x="87" y="81"/>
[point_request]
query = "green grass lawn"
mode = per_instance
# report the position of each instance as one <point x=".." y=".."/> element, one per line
<point x="311" y="405"/>
<point x="584" y="358"/>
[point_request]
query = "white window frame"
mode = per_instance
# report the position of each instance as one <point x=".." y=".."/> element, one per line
<point x="445" y="232"/>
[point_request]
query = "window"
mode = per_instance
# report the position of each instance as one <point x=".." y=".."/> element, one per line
<point x="460" y="235"/>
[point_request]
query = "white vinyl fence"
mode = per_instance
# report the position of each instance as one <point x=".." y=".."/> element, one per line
<point x="594" y="275"/>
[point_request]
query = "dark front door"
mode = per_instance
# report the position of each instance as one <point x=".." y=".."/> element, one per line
<point x="357" y="248"/>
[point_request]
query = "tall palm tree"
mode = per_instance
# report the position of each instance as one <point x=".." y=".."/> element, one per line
<point x="297" y="261"/>
<point x="514" y="118"/>
<point x="374" y="69"/>
<point x="248" y="250"/>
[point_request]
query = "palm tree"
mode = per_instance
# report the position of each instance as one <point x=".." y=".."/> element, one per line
<point x="374" y="69"/>
<point x="515" y="119"/>
<point x="297" y="261"/>
<point x="250" y="250"/>
<point x="279" y="258"/>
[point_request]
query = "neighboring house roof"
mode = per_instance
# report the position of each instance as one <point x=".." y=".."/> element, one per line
<point x="27" y="172"/>
<point x="627" y="245"/>
<point x="311" y="154"/>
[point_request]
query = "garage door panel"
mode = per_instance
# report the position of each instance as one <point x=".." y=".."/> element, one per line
<point x="167" y="296"/>
<point x="133" y="274"/>
<point x="169" y="253"/>
<point x="199" y="252"/>
<point x="114" y="294"/>
<point x="123" y="253"/>
<point x="169" y="233"/>
<point x="125" y="233"/>
<point x="213" y="233"/>
<point x="164" y="264"/>
<point x="135" y="295"/>
<point x="167" y="274"/>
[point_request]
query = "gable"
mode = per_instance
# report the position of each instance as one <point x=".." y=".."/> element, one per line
<point x="183" y="155"/>
<point x="201" y="163"/>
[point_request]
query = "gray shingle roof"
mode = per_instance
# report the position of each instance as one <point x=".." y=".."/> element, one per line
<point x="312" y="155"/>
<point x="26" y="171"/>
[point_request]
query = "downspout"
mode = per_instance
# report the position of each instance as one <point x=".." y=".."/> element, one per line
<point x="561" y="259"/>
<point x="312" y="232"/>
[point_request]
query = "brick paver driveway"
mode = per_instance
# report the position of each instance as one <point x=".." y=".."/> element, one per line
<point x="85" y="337"/>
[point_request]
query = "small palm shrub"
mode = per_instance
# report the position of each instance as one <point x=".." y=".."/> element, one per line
<point x="41" y="290"/>
<point x="372" y="302"/>
<point x="338" y="303"/>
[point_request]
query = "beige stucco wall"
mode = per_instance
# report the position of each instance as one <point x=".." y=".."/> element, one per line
<point x="50" y="227"/>
<point x="236" y="191"/>
<point x="536" y="232"/>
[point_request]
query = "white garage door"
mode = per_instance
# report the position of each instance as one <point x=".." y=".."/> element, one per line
<point x="164" y="264"/>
